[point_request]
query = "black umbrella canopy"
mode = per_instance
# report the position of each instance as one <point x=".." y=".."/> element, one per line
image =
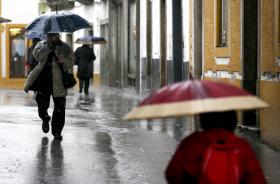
<point x="91" y="40"/>
<point x="2" y="20"/>
<point x="31" y="35"/>
<point x="57" y="22"/>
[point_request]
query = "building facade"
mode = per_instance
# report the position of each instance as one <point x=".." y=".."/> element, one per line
<point x="153" y="43"/>
<point x="13" y="45"/>
<point x="241" y="47"/>
<point x="140" y="50"/>
<point x="159" y="42"/>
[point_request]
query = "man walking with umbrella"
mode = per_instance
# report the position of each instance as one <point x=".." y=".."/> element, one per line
<point x="55" y="59"/>
<point x="84" y="57"/>
<point x="53" y="56"/>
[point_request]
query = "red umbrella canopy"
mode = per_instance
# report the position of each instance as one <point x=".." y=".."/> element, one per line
<point x="194" y="97"/>
<point x="191" y="90"/>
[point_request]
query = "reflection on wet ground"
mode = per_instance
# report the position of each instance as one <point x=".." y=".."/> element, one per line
<point x="103" y="146"/>
<point x="98" y="147"/>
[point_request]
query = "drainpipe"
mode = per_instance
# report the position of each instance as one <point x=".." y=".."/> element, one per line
<point x="149" y="43"/>
<point x="138" y="76"/>
<point x="177" y="40"/>
<point x="163" y="43"/>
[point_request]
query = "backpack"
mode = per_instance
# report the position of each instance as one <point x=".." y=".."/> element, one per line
<point x="220" y="164"/>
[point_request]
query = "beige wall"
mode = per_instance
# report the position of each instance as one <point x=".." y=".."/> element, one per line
<point x="270" y="90"/>
<point x="270" y="118"/>
<point x="232" y="51"/>
<point x="269" y="51"/>
<point x="209" y="43"/>
<point x="268" y="39"/>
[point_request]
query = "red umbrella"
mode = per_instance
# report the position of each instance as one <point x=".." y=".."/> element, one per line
<point x="194" y="97"/>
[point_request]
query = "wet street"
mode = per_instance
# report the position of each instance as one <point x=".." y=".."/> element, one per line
<point x="97" y="147"/>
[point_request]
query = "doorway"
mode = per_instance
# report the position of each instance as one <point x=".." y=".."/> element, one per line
<point x="17" y="47"/>
<point x="250" y="57"/>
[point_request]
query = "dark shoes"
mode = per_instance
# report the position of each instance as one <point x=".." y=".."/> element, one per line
<point x="58" y="137"/>
<point x="46" y="128"/>
<point x="45" y="125"/>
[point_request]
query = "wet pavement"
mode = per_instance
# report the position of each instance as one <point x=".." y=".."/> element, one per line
<point x="97" y="147"/>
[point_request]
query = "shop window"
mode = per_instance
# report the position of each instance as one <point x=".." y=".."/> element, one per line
<point x="17" y="50"/>
<point x="222" y="23"/>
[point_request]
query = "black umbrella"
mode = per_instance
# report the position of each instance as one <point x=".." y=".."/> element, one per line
<point x="31" y="35"/>
<point x="4" y="20"/>
<point x="91" y="40"/>
<point x="57" y="22"/>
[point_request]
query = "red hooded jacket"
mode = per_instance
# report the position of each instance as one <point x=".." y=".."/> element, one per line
<point x="186" y="165"/>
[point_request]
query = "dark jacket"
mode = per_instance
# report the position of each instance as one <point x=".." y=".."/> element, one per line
<point x="31" y="60"/>
<point x="84" y="57"/>
<point x="185" y="166"/>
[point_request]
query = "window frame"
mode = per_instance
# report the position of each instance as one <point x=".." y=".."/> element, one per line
<point x="222" y="10"/>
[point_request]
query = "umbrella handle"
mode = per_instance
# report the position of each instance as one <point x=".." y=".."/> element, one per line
<point x="56" y="9"/>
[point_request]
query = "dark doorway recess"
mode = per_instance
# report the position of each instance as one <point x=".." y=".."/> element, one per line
<point x="250" y="57"/>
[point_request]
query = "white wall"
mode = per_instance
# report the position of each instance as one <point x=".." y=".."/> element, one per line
<point x="169" y="29"/>
<point x="156" y="28"/>
<point x="25" y="11"/>
<point x="186" y="35"/>
<point x="20" y="12"/>
<point x="143" y="29"/>
<point x="93" y="14"/>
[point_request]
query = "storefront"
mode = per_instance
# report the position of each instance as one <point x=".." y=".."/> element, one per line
<point x="13" y="43"/>
<point x="13" y="61"/>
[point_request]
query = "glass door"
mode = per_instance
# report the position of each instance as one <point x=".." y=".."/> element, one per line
<point x="17" y="52"/>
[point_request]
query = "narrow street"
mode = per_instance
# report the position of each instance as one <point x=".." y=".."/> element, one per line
<point x="97" y="147"/>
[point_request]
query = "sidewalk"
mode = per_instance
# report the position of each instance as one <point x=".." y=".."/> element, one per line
<point x="97" y="147"/>
<point x="268" y="157"/>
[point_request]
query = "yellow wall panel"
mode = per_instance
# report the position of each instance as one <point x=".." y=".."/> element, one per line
<point x="267" y="63"/>
<point x="222" y="52"/>
<point x="233" y="82"/>
<point x="235" y="36"/>
<point x="96" y="80"/>
<point x="269" y="118"/>
<point x="208" y="34"/>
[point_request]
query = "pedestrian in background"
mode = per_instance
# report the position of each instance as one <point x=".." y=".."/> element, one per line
<point x="84" y="58"/>
<point x="32" y="62"/>
<point x="53" y="56"/>
<point x="215" y="155"/>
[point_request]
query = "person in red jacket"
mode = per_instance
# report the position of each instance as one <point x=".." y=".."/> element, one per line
<point x="187" y="164"/>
